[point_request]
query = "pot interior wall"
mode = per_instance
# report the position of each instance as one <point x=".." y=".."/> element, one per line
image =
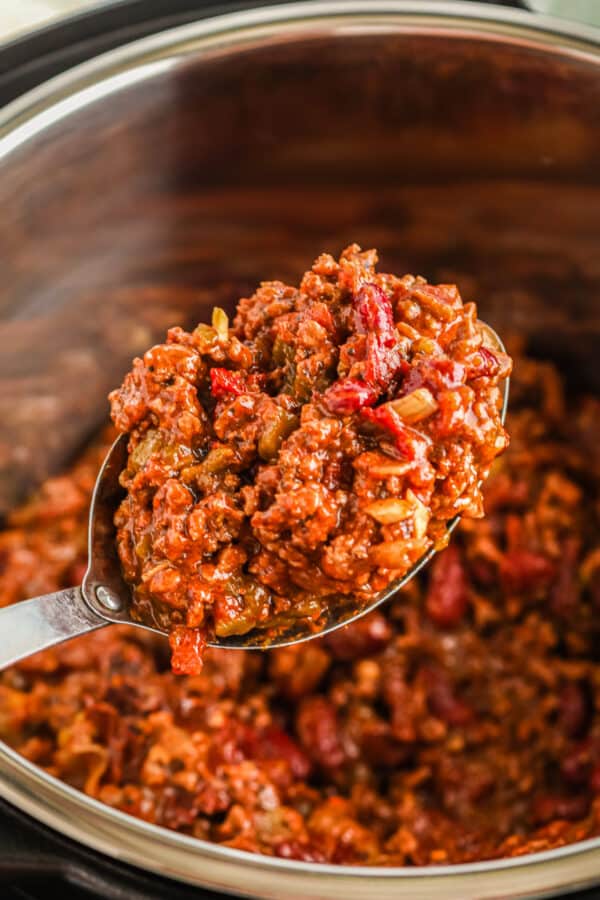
<point x="461" y="159"/>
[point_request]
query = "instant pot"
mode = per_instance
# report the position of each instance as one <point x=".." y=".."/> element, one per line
<point x="157" y="158"/>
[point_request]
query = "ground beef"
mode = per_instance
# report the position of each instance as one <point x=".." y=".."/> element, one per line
<point x="306" y="457"/>
<point x="460" y="723"/>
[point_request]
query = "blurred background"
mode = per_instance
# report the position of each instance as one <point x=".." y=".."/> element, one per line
<point x="19" y="16"/>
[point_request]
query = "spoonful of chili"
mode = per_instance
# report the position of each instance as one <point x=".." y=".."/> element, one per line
<point x="253" y="505"/>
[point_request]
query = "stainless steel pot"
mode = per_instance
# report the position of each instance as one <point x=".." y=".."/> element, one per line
<point x="142" y="187"/>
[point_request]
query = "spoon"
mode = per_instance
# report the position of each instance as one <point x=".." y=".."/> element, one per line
<point x="103" y="598"/>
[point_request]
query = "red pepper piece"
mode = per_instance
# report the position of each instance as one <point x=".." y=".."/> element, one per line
<point x="374" y="316"/>
<point x="409" y="442"/>
<point x="224" y="382"/>
<point x="373" y="313"/>
<point x="348" y="396"/>
<point x="381" y="363"/>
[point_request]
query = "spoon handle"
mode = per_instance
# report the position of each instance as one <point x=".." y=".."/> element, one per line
<point x="33" y="625"/>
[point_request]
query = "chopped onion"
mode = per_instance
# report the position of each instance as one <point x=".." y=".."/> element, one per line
<point x="220" y="322"/>
<point x="387" y="469"/>
<point x="420" y="515"/>
<point x="390" y="510"/>
<point x="415" y="406"/>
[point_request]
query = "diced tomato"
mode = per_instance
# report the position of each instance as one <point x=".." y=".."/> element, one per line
<point x="374" y="316"/>
<point x="224" y="382"/>
<point x="187" y="647"/>
<point x="348" y="396"/>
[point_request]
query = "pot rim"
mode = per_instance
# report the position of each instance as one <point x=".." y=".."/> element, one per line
<point x="63" y="807"/>
<point x="12" y="793"/>
<point x="42" y="106"/>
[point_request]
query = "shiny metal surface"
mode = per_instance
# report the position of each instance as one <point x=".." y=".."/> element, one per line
<point x="130" y="181"/>
<point x="42" y="622"/>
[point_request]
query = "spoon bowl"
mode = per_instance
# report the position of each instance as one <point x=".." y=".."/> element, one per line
<point x="338" y="615"/>
<point x="104" y="597"/>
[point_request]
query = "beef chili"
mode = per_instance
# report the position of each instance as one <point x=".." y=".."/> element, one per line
<point x="308" y="456"/>
<point x="462" y="724"/>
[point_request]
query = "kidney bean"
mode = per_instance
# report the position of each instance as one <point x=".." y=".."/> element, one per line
<point x="274" y="743"/>
<point x="549" y="807"/>
<point x="575" y="708"/>
<point x="524" y="570"/>
<point x="447" y="595"/>
<point x="442" y="698"/>
<point x="318" y="730"/>
<point x="365" y="637"/>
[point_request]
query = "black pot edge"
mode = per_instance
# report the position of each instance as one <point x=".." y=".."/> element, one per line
<point x="37" y="55"/>
<point x="35" y="857"/>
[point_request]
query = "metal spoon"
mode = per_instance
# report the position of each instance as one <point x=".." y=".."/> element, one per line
<point x="104" y="597"/>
